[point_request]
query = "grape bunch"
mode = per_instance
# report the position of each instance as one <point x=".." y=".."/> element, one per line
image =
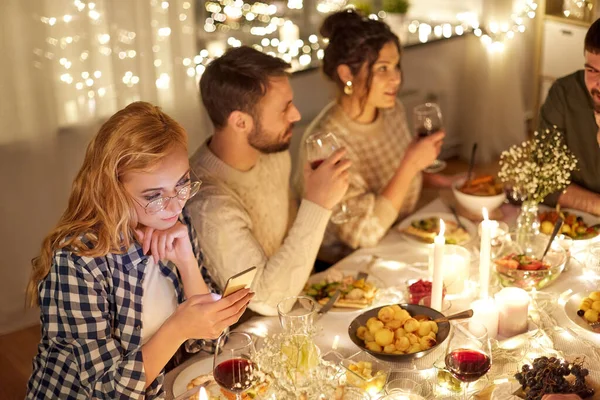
<point x="549" y="375"/>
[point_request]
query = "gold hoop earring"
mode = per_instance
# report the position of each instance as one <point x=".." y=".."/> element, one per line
<point x="348" y="89"/>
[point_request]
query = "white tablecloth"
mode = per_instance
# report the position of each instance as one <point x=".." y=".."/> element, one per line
<point x="400" y="260"/>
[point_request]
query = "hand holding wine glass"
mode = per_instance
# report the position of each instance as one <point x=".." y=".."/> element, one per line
<point x="469" y="355"/>
<point x="327" y="178"/>
<point x="427" y="119"/>
<point x="233" y="368"/>
<point x="421" y="153"/>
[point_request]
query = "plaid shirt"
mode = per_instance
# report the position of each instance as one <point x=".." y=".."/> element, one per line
<point x="91" y="315"/>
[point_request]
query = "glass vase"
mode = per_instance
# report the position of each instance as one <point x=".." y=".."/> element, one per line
<point x="528" y="222"/>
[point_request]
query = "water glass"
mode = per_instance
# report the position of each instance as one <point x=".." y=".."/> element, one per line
<point x="297" y="314"/>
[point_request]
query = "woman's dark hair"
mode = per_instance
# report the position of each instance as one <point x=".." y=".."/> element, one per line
<point x="353" y="40"/>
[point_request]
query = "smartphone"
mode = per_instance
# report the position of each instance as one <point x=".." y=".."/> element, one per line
<point x="240" y="281"/>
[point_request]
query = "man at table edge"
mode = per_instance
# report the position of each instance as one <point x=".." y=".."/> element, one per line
<point x="573" y="107"/>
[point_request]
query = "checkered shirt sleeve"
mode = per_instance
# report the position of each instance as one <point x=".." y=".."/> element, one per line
<point x="80" y="356"/>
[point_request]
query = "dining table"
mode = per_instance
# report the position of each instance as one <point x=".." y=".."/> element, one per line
<point x="397" y="259"/>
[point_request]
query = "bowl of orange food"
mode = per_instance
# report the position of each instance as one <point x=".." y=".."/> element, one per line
<point x="520" y="262"/>
<point x="481" y="191"/>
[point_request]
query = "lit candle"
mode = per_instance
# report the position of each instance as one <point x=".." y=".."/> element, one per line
<point x="438" y="271"/>
<point x="336" y="341"/>
<point x="485" y="312"/>
<point x="203" y="395"/>
<point x="484" y="256"/>
<point x="513" y="305"/>
<point x="457" y="260"/>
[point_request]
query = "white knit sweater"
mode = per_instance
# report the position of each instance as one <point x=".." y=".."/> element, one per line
<point x="247" y="219"/>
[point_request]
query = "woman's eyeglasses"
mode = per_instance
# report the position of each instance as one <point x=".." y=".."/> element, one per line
<point x="183" y="194"/>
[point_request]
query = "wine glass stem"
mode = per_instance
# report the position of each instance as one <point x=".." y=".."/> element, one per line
<point x="466" y="391"/>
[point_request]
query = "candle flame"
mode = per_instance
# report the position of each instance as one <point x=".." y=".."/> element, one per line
<point x="442" y="228"/>
<point x="203" y="395"/>
<point x="484" y="211"/>
<point x="336" y="340"/>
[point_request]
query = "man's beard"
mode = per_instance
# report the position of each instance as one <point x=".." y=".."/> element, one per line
<point x="595" y="94"/>
<point x="260" y="142"/>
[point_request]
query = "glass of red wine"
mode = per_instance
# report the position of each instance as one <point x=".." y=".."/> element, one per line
<point x="469" y="355"/>
<point x="233" y="368"/>
<point x="427" y="120"/>
<point x="320" y="146"/>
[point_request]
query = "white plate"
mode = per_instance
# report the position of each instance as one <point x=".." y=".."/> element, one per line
<point x="589" y="219"/>
<point x="322" y="276"/>
<point x="471" y="228"/>
<point x="571" y="307"/>
<point x="201" y="367"/>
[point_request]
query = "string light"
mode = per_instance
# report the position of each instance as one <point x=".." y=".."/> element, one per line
<point x="496" y="34"/>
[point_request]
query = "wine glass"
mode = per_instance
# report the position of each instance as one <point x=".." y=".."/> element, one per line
<point x="427" y="121"/>
<point x="320" y="146"/>
<point x="469" y="355"/>
<point x="233" y="368"/>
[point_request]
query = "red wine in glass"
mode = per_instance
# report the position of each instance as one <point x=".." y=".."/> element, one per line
<point x="468" y="365"/>
<point x="233" y="369"/>
<point x="315" y="164"/>
<point x="235" y="374"/>
<point x="424" y="132"/>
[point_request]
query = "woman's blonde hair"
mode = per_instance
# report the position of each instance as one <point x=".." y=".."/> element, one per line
<point x="100" y="216"/>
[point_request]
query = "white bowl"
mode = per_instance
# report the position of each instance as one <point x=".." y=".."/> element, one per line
<point x="473" y="203"/>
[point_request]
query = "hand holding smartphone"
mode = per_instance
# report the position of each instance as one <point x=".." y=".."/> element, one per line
<point x="240" y="281"/>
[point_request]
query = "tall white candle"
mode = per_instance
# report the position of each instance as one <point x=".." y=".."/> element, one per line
<point x="485" y="312"/>
<point x="484" y="256"/>
<point x="438" y="269"/>
<point x="513" y="304"/>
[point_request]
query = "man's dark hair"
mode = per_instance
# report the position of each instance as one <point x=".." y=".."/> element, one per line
<point x="592" y="38"/>
<point x="237" y="81"/>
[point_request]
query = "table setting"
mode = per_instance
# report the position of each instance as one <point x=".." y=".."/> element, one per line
<point x="448" y="305"/>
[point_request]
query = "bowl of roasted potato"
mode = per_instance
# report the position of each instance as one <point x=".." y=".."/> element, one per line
<point x="398" y="332"/>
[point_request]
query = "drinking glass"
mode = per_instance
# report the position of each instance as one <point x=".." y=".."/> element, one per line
<point x="233" y="368"/>
<point x="319" y="146"/>
<point x="297" y="314"/>
<point x="469" y="354"/>
<point x="427" y="119"/>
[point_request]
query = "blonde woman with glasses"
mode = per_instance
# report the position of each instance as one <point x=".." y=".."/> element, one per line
<point x="120" y="281"/>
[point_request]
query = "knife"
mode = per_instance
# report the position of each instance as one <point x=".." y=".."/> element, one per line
<point x="186" y="395"/>
<point x="460" y="224"/>
<point x="330" y="303"/>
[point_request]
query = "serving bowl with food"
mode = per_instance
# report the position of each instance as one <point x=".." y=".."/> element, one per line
<point x="582" y="228"/>
<point x="520" y="262"/>
<point x="482" y="191"/>
<point x="398" y="332"/>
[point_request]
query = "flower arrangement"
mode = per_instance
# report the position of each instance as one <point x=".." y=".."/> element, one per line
<point x="538" y="167"/>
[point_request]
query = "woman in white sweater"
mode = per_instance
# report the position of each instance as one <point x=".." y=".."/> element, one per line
<point x="363" y="60"/>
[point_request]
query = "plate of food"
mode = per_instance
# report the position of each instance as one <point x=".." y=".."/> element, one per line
<point x="577" y="225"/>
<point x="200" y="372"/>
<point x="583" y="309"/>
<point x="354" y="294"/>
<point x="423" y="228"/>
